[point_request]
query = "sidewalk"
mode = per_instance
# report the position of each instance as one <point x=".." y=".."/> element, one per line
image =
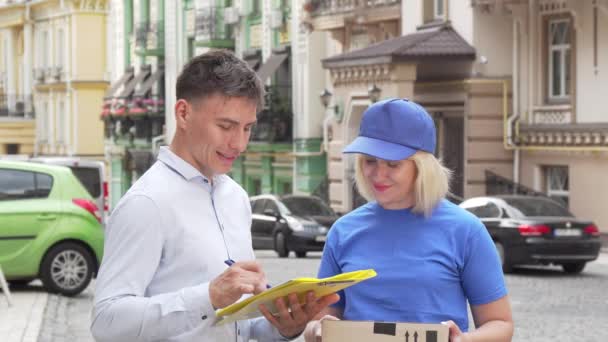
<point x="21" y="322"/>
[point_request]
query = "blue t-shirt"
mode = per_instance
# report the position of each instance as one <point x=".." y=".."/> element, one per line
<point x="427" y="267"/>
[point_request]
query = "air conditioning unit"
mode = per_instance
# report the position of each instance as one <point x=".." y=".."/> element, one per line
<point x="231" y="15"/>
<point x="276" y="19"/>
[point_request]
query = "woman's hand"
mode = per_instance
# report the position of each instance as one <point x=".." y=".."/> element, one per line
<point x="456" y="335"/>
<point x="312" y="333"/>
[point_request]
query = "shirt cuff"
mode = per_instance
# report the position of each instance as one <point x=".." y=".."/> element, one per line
<point x="198" y="303"/>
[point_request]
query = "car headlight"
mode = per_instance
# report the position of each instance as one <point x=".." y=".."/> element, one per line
<point x="295" y="224"/>
<point x="323" y="230"/>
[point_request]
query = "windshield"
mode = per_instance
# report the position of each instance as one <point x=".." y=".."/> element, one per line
<point x="536" y="207"/>
<point x="307" y="206"/>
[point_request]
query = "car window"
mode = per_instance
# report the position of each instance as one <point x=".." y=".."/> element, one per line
<point x="90" y="179"/>
<point x="257" y="206"/>
<point x="487" y="210"/>
<point x="536" y="206"/>
<point x="270" y="205"/>
<point x="19" y="184"/>
<point x="307" y="206"/>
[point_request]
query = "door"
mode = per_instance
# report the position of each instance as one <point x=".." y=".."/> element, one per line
<point x="25" y="211"/>
<point x="453" y="152"/>
<point x="259" y="227"/>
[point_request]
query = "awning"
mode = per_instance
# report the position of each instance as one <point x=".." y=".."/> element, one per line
<point x="149" y="82"/>
<point x="253" y="58"/>
<point x="130" y="86"/>
<point x="128" y="75"/>
<point x="271" y="65"/>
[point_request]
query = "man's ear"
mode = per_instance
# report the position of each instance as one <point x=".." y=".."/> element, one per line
<point x="182" y="111"/>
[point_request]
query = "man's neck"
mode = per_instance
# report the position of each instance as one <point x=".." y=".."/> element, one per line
<point x="184" y="154"/>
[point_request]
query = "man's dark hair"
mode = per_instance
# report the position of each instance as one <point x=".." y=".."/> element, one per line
<point x="219" y="72"/>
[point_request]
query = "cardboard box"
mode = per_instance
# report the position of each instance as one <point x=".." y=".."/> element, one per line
<point x="364" y="331"/>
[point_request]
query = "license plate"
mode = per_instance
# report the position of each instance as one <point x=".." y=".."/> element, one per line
<point x="320" y="238"/>
<point x="567" y="232"/>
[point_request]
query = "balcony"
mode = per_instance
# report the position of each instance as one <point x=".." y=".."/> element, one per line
<point x="211" y="28"/>
<point x="275" y="121"/>
<point x="150" y="39"/>
<point x="552" y="115"/>
<point x="16" y="106"/>
<point x="332" y="14"/>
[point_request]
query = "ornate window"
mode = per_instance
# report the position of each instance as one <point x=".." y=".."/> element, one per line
<point x="558" y="184"/>
<point x="559" y="55"/>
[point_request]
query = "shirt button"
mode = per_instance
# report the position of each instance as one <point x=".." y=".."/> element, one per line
<point x="204" y="317"/>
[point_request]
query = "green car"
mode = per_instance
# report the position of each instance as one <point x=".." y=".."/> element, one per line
<point x="49" y="227"/>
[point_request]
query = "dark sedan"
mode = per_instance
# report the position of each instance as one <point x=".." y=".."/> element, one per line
<point x="290" y="223"/>
<point x="536" y="230"/>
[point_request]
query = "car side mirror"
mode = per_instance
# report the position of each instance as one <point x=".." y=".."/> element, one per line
<point x="270" y="212"/>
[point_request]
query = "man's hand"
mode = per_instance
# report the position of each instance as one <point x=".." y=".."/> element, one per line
<point x="313" y="331"/>
<point x="241" y="278"/>
<point x="291" y="323"/>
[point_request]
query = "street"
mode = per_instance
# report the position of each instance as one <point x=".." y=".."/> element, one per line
<point x="548" y="305"/>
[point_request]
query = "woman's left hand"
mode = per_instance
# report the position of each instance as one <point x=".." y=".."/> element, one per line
<point x="456" y="335"/>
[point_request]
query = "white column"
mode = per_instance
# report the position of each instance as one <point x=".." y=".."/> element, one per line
<point x="266" y="30"/>
<point x="11" y="91"/>
<point x="27" y="66"/>
<point x="171" y="65"/>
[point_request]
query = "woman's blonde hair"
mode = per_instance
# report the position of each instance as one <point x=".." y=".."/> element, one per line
<point x="431" y="184"/>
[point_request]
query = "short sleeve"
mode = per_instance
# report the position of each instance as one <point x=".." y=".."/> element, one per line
<point x="329" y="267"/>
<point x="482" y="275"/>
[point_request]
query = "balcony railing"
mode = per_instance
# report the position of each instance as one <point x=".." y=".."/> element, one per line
<point x="332" y="7"/>
<point x="211" y="26"/>
<point x="275" y="121"/>
<point x="150" y="37"/>
<point x="560" y="114"/>
<point x="17" y="106"/>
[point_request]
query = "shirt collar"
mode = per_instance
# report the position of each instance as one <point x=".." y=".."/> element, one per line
<point x="181" y="166"/>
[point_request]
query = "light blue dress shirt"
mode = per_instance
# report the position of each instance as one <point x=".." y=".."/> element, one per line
<point x="166" y="240"/>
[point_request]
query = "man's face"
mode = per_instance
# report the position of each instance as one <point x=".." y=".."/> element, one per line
<point x="217" y="130"/>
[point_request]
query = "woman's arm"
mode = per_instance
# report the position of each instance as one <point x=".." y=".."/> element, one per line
<point x="493" y="321"/>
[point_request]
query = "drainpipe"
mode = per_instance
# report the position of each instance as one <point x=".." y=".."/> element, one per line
<point x="515" y="93"/>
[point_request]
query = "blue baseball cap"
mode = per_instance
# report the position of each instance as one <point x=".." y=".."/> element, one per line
<point x="394" y="129"/>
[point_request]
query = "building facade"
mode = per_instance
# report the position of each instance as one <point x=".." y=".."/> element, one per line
<point x="514" y="88"/>
<point x="133" y="107"/>
<point x="53" y="66"/>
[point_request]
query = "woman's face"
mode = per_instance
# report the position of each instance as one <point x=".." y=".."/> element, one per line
<point x="392" y="182"/>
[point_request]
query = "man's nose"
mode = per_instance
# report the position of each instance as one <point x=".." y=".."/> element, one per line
<point x="239" y="141"/>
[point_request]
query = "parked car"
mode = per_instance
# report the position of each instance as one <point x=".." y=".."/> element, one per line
<point x="290" y="223"/>
<point x="91" y="173"/>
<point x="50" y="227"/>
<point x="536" y="230"/>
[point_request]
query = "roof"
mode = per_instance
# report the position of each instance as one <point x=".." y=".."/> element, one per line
<point x="31" y="166"/>
<point x="438" y="42"/>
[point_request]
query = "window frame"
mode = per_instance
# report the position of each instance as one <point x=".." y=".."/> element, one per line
<point x="437" y="15"/>
<point x="556" y="193"/>
<point x="566" y="90"/>
<point x="35" y="175"/>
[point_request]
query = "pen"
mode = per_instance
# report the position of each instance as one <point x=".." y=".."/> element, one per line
<point x="229" y="262"/>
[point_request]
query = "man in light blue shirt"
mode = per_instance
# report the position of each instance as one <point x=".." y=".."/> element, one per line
<point x="163" y="273"/>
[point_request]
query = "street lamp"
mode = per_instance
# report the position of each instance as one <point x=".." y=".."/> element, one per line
<point x="374" y="93"/>
<point x="325" y="97"/>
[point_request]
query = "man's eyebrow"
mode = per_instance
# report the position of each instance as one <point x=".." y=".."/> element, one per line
<point x="234" y="122"/>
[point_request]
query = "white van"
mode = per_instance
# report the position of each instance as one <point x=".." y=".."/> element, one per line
<point x="91" y="173"/>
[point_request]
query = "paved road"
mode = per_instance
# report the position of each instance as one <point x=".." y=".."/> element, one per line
<point x="548" y="305"/>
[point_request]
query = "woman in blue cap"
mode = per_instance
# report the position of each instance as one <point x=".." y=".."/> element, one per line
<point x="431" y="256"/>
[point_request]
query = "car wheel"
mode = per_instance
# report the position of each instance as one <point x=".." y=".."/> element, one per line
<point x="280" y="245"/>
<point x="67" y="269"/>
<point x="574" y="267"/>
<point x="301" y="254"/>
<point x="502" y="254"/>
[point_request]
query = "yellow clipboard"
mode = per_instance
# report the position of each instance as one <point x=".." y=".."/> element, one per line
<point x="248" y="308"/>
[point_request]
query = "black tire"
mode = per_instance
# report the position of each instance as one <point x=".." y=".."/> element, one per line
<point x="504" y="257"/>
<point x="67" y="268"/>
<point x="301" y="254"/>
<point x="574" y="267"/>
<point x="280" y="245"/>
